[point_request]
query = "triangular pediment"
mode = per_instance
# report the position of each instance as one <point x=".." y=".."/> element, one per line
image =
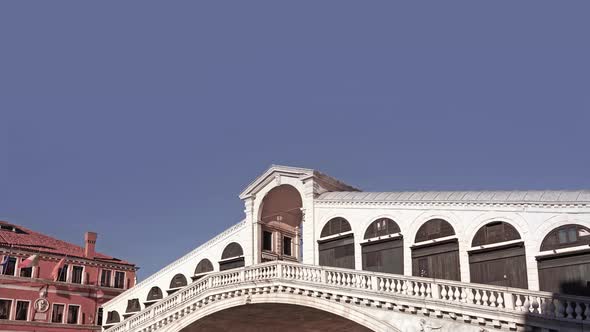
<point x="323" y="183"/>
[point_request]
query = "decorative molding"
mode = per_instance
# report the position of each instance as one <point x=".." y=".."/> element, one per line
<point x="353" y="203"/>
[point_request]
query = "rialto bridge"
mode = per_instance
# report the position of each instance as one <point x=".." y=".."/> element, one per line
<point x="315" y="254"/>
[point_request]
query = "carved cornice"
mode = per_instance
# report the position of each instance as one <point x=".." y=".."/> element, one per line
<point x="357" y="203"/>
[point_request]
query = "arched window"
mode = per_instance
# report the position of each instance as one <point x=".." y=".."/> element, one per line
<point x="565" y="237"/>
<point x="177" y="282"/>
<point x="335" y="226"/>
<point x="133" y="306"/>
<point x="383" y="254"/>
<point x="495" y="232"/>
<point x="381" y="227"/>
<point x="337" y="251"/>
<point x="503" y="264"/>
<point x="113" y="317"/>
<point x="232" y="257"/>
<point x="439" y="259"/>
<point x="565" y="272"/>
<point x="154" y="294"/>
<point x="204" y="266"/>
<point x="434" y="229"/>
<point x="232" y="250"/>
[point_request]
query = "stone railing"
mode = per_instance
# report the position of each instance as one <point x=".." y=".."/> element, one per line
<point x="186" y="258"/>
<point x="436" y="297"/>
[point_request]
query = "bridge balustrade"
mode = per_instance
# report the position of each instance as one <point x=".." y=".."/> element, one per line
<point x="374" y="286"/>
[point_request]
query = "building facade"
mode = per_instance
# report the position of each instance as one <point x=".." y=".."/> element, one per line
<point x="521" y="240"/>
<point x="65" y="286"/>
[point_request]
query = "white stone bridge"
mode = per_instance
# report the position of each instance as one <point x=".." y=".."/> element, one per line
<point x="370" y="301"/>
<point x="315" y="254"/>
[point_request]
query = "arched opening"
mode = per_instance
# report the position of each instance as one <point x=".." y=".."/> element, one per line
<point x="435" y="253"/>
<point x="336" y="244"/>
<point x="280" y="219"/>
<point x="177" y="282"/>
<point x="112" y="318"/>
<point x="133" y="306"/>
<point x="154" y="295"/>
<point x="498" y="257"/>
<point x="382" y="247"/>
<point x="565" y="271"/>
<point x="205" y="266"/>
<point x="270" y="317"/>
<point x="232" y="257"/>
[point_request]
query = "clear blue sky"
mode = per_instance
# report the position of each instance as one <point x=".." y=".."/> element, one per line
<point x="144" y="120"/>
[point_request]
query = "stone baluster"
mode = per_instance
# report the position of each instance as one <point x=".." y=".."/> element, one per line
<point x="587" y="311"/>
<point x="569" y="310"/>
<point x="477" y="297"/>
<point x="500" y="300"/>
<point x="443" y="292"/>
<point x="398" y="286"/>
<point x="457" y="294"/>
<point x="484" y="298"/>
<point x="578" y="311"/>
<point x="527" y="304"/>
<point x="492" y="299"/>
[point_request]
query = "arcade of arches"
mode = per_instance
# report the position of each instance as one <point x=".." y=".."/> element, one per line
<point x="271" y="317"/>
<point x="496" y="257"/>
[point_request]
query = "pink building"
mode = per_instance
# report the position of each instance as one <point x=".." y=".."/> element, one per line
<point x="65" y="287"/>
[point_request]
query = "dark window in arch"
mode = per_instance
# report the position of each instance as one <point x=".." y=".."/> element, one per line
<point x="339" y="251"/>
<point x="178" y="281"/>
<point x="133" y="306"/>
<point x="232" y="250"/>
<point x="434" y="229"/>
<point x="232" y="257"/>
<point x="381" y="227"/>
<point x="385" y="254"/>
<point x="113" y="317"/>
<point x="155" y="294"/>
<point x="204" y="266"/>
<point x="565" y="272"/>
<point x="566" y="236"/>
<point x="335" y="226"/>
<point x="495" y="232"/>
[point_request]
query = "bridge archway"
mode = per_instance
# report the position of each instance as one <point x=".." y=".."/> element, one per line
<point x="283" y="309"/>
<point x="281" y="218"/>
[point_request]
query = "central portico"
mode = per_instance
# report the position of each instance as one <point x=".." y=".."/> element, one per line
<point x="277" y="204"/>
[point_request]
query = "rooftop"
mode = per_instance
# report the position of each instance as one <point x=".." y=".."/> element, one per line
<point x="19" y="237"/>
<point x="512" y="197"/>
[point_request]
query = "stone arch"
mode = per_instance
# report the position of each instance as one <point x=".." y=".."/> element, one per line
<point x="336" y="246"/>
<point x="177" y="282"/>
<point x="451" y="218"/>
<point x="154" y="294"/>
<point x="113" y="317"/>
<point x="564" y="271"/>
<point x="329" y="227"/>
<point x="382" y="252"/>
<point x="513" y="219"/>
<point x="552" y="223"/>
<point x="439" y="259"/>
<point x="498" y="256"/>
<point x="204" y="266"/>
<point x="339" y="309"/>
<point x="232" y="257"/>
<point x="280" y="216"/>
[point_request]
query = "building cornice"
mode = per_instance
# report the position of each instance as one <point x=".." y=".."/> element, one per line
<point x="422" y="204"/>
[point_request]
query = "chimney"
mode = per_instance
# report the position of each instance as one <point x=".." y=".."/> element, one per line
<point x="90" y="245"/>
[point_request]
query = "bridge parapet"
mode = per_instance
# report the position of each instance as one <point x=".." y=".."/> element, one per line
<point x="475" y="305"/>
